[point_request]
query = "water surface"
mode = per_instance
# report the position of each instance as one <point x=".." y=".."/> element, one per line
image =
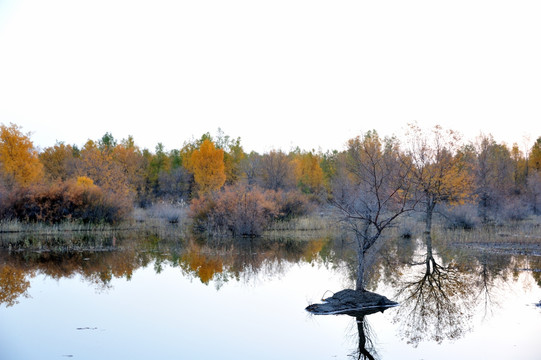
<point x="245" y="299"/>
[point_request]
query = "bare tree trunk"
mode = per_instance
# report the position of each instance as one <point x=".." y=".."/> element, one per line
<point x="429" y="212"/>
<point x="429" y="255"/>
<point x="359" y="284"/>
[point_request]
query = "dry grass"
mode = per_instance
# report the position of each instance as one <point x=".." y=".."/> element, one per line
<point x="14" y="226"/>
<point x="522" y="237"/>
<point x="528" y="231"/>
<point x="165" y="221"/>
<point x="303" y="227"/>
<point x="162" y="213"/>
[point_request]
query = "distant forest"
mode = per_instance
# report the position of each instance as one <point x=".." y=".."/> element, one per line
<point x="105" y="179"/>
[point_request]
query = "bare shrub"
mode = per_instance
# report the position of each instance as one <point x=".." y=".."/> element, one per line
<point x="515" y="210"/>
<point x="534" y="192"/>
<point x="172" y="213"/>
<point x="238" y="210"/>
<point x="3" y="198"/>
<point x="407" y="227"/>
<point x="460" y="216"/>
<point x="63" y="201"/>
<point x="175" y="184"/>
<point x="290" y="204"/>
<point x="241" y="210"/>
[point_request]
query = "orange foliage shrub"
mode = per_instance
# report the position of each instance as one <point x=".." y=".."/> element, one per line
<point x="240" y="210"/>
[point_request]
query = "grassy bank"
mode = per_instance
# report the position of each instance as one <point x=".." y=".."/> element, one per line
<point x="303" y="227"/>
<point x="162" y="221"/>
<point x="520" y="237"/>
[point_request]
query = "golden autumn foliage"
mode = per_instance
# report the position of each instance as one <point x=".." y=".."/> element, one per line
<point x="535" y="156"/>
<point x="520" y="164"/>
<point x="445" y="180"/>
<point x="308" y="172"/>
<point x="439" y="171"/>
<point x="57" y="161"/>
<point x="232" y="161"/>
<point x="207" y="166"/>
<point x="19" y="161"/>
<point x="131" y="162"/>
<point x="84" y="182"/>
<point x="100" y="166"/>
<point x="443" y="172"/>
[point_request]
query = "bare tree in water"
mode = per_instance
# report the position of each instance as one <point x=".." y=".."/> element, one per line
<point x="371" y="190"/>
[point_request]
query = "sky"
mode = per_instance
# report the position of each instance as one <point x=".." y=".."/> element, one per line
<point x="278" y="74"/>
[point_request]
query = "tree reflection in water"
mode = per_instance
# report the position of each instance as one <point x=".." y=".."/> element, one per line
<point x="202" y="259"/>
<point x="13" y="284"/>
<point x="437" y="299"/>
<point x="437" y="303"/>
<point x="365" y="347"/>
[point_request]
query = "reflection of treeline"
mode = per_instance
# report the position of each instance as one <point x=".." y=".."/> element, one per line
<point x="102" y="180"/>
<point x="240" y="259"/>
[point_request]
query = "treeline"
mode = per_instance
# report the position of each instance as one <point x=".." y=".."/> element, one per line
<point x="233" y="191"/>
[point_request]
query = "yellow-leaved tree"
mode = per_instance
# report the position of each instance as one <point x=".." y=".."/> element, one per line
<point x="57" y="160"/>
<point x="439" y="172"/>
<point x="535" y="156"/>
<point x="308" y="172"/>
<point x="19" y="161"/>
<point x="207" y="166"/>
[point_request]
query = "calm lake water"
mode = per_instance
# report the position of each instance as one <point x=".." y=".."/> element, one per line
<point x="245" y="299"/>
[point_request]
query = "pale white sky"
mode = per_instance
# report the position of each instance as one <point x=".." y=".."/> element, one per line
<point x="277" y="73"/>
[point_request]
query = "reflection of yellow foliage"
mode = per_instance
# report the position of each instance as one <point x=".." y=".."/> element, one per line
<point x="202" y="265"/>
<point x="313" y="248"/>
<point x="13" y="284"/>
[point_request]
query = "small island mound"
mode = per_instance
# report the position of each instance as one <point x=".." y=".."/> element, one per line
<point x="351" y="302"/>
